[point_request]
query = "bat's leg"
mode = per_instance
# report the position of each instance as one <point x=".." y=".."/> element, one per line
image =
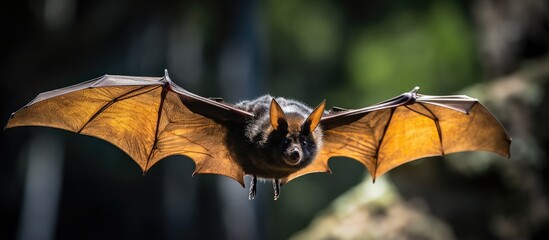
<point x="276" y="187"/>
<point x="253" y="188"/>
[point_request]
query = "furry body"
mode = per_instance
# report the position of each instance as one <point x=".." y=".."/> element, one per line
<point x="273" y="145"/>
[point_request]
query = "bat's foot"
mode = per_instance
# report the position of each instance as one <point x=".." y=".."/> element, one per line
<point x="253" y="188"/>
<point x="276" y="187"/>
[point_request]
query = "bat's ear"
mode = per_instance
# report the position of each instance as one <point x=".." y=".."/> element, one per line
<point x="278" y="119"/>
<point x="313" y="120"/>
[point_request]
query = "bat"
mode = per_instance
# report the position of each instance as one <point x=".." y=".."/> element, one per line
<point x="277" y="139"/>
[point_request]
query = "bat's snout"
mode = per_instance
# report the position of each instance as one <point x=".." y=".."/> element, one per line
<point x="293" y="156"/>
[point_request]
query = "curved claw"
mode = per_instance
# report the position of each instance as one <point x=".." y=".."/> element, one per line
<point x="276" y="187"/>
<point x="253" y="188"/>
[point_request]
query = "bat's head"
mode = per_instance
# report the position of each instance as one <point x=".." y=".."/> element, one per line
<point x="296" y="134"/>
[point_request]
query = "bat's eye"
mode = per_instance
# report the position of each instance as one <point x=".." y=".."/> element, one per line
<point x="286" y="141"/>
<point x="304" y="142"/>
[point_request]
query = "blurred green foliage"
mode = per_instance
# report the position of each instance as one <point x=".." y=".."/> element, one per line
<point x="312" y="46"/>
<point x="431" y="49"/>
<point x="312" y="30"/>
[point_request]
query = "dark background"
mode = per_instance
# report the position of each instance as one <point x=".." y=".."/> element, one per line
<point x="60" y="185"/>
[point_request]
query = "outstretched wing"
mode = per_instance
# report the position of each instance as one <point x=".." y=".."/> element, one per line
<point x="406" y="128"/>
<point x="149" y="118"/>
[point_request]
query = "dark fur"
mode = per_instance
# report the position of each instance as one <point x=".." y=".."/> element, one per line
<point x="274" y="154"/>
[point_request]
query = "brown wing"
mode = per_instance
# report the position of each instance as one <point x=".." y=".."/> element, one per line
<point x="406" y="128"/>
<point x="149" y="118"/>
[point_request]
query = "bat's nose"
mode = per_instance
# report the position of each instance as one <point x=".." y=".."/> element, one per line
<point x="294" y="154"/>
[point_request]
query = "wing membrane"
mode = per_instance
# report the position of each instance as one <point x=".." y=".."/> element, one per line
<point x="148" y="118"/>
<point x="406" y="128"/>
